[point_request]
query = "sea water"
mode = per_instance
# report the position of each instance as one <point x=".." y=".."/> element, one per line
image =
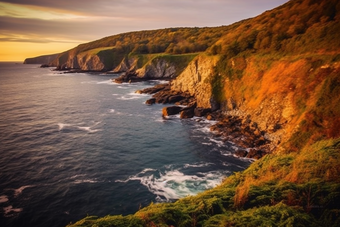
<point x="77" y="144"/>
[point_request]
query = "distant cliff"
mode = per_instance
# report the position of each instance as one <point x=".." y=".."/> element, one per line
<point x="45" y="59"/>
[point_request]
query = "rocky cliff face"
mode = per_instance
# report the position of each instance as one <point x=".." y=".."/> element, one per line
<point x="158" y="68"/>
<point x="277" y="97"/>
<point x="127" y="64"/>
<point x="195" y="79"/>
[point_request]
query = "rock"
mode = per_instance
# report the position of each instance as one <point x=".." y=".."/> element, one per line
<point x="210" y="117"/>
<point x="171" y="110"/>
<point x="241" y="153"/>
<point x="200" y="112"/>
<point x="128" y="77"/>
<point x="260" y="141"/>
<point x="150" y="101"/>
<point x="255" y="154"/>
<point x="175" y="98"/>
<point x="187" y="113"/>
<point x="155" y="89"/>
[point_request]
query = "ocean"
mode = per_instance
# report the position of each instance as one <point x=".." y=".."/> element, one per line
<point x="77" y="144"/>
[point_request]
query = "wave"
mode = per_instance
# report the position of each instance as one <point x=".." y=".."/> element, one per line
<point x="18" y="191"/>
<point x="132" y="95"/>
<point x="3" y="199"/>
<point x="107" y="82"/>
<point x="63" y="126"/>
<point x="85" y="181"/>
<point x="172" y="184"/>
<point x="10" y="211"/>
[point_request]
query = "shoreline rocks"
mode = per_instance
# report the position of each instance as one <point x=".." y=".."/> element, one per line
<point x="242" y="132"/>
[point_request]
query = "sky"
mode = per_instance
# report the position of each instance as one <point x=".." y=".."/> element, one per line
<point x="30" y="28"/>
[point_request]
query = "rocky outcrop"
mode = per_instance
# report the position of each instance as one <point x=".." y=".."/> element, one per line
<point x="244" y="133"/>
<point x="157" y="68"/>
<point x="195" y="80"/>
<point x="171" y="110"/>
<point x="88" y="62"/>
<point x="163" y="94"/>
<point x="126" y="65"/>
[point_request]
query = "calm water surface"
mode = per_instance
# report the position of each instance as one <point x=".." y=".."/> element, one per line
<point x="77" y="144"/>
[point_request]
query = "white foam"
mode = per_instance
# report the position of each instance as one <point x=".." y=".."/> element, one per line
<point x="9" y="210"/>
<point x="105" y="82"/>
<point x="88" y="129"/>
<point x="90" y="181"/>
<point x="109" y="82"/>
<point x="61" y="126"/>
<point x="197" y="165"/>
<point x="174" y="184"/>
<point x="122" y="87"/>
<point x="77" y="175"/>
<point x="111" y="110"/>
<point x="125" y="97"/>
<point x="219" y="143"/>
<point x="21" y="189"/>
<point x="3" y="199"/>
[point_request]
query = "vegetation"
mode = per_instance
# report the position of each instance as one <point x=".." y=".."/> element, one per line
<point x="292" y="52"/>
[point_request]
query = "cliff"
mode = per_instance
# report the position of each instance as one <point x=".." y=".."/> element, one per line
<point x="45" y="59"/>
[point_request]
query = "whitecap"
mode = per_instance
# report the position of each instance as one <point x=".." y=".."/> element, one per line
<point x="62" y="126"/>
<point x="124" y="97"/>
<point x="109" y="82"/>
<point x="88" y="129"/>
<point x="10" y="210"/>
<point x="3" y="199"/>
<point x="174" y="184"/>
<point x="21" y="189"/>
<point x="122" y="87"/>
<point x="198" y="165"/>
<point x="90" y="181"/>
<point x="219" y="143"/>
<point x="77" y="175"/>
<point x="111" y="110"/>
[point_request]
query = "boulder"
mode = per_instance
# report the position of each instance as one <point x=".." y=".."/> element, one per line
<point x="255" y="154"/>
<point x="187" y="113"/>
<point x="175" y="98"/>
<point x="150" y="101"/>
<point x="241" y="153"/>
<point x="171" y="110"/>
<point x="201" y="112"/>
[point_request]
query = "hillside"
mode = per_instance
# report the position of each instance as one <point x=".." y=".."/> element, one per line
<point x="280" y="72"/>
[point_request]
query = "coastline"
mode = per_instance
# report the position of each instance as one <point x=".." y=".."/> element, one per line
<point x="251" y="142"/>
